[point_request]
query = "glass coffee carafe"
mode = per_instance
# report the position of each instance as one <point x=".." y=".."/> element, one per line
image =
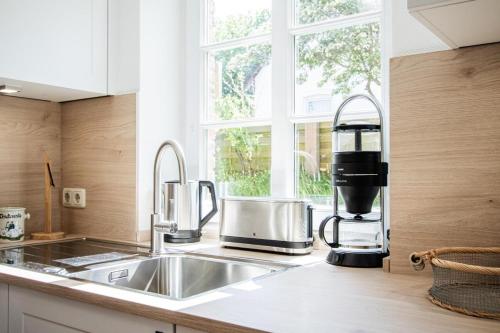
<point x="366" y="234"/>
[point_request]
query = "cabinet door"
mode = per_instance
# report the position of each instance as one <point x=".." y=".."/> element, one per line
<point x="34" y="312"/>
<point x="4" y="308"/>
<point x="61" y="43"/>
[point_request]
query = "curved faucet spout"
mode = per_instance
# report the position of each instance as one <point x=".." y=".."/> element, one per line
<point x="158" y="225"/>
<point x="181" y="162"/>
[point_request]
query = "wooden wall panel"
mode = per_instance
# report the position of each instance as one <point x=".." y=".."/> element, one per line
<point x="445" y="151"/>
<point x="99" y="154"/>
<point x="27" y="128"/>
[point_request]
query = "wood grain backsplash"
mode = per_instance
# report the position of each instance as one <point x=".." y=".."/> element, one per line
<point x="445" y="151"/>
<point x="27" y="129"/>
<point x="99" y="154"/>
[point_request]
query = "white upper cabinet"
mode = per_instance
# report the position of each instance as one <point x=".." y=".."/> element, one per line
<point x="62" y="50"/>
<point x="123" y="46"/>
<point x="459" y="22"/>
<point x="59" y="43"/>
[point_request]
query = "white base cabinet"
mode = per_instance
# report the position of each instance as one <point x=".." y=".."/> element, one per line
<point x="33" y="312"/>
<point x="4" y="308"/>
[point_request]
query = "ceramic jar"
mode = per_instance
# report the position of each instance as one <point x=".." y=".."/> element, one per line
<point x="12" y="224"/>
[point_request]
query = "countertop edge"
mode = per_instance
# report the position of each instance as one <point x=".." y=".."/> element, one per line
<point x="130" y="307"/>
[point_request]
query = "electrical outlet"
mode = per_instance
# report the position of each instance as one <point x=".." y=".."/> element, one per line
<point x="74" y="197"/>
<point x="66" y="198"/>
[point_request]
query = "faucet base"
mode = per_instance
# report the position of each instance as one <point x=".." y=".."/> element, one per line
<point x="183" y="236"/>
<point x="158" y="230"/>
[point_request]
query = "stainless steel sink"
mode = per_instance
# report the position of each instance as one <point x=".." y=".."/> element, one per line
<point x="174" y="276"/>
<point x="178" y="275"/>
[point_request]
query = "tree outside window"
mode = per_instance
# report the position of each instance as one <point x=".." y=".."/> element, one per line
<point x="334" y="62"/>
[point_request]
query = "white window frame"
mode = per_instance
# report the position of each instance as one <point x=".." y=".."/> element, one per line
<point x="283" y="118"/>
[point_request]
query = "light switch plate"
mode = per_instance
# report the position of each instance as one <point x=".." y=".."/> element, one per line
<point x="74" y="198"/>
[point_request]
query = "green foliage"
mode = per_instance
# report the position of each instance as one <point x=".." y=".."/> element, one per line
<point x="311" y="11"/>
<point x="255" y="185"/>
<point x="245" y="145"/>
<point x="242" y="25"/>
<point x="240" y="66"/>
<point x="233" y="107"/>
<point x="347" y="57"/>
<point x="314" y="185"/>
<point x="246" y="175"/>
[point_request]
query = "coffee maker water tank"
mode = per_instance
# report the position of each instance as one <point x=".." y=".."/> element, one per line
<point x="356" y="170"/>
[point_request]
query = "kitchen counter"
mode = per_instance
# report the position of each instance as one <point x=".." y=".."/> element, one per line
<point x="316" y="297"/>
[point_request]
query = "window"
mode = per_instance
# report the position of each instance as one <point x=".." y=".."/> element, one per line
<point x="337" y="53"/>
<point x="237" y="108"/>
<point x="274" y="73"/>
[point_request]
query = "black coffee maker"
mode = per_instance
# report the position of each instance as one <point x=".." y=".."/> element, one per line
<point x="359" y="174"/>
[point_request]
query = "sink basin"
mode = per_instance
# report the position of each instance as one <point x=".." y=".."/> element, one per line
<point x="176" y="276"/>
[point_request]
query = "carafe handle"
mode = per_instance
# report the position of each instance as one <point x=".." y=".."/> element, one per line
<point x="211" y="189"/>
<point x="321" y="230"/>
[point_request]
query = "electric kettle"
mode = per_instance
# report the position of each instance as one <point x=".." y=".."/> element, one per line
<point x="183" y="203"/>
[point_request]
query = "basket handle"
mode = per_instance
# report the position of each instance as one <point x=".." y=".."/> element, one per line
<point x="417" y="259"/>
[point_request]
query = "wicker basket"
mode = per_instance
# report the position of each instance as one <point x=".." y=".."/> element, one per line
<point x="465" y="279"/>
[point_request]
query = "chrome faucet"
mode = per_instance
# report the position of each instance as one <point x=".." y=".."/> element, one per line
<point x="158" y="224"/>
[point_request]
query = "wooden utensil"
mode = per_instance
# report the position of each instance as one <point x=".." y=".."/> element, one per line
<point x="48" y="234"/>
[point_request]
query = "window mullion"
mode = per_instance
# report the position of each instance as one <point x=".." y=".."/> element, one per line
<point x="253" y="122"/>
<point x="342" y="22"/>
<point x="240" y="42"/>
<point x="282" y="142"/>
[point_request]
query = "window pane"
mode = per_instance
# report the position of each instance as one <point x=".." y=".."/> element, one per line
<point x="230" y="19"/>
<point x="311" y="11"/>
<point x="313" y="152"/>
<point x="331" y="65"/>
<point x="239" y="160"/>
<point x="239" y="83"/>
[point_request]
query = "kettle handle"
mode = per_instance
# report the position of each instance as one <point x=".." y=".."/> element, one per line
<point x="208" y="184"/>
<point x="321" y="230"/>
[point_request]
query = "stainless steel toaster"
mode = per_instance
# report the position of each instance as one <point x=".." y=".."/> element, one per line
<point x="277" y="225"/>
